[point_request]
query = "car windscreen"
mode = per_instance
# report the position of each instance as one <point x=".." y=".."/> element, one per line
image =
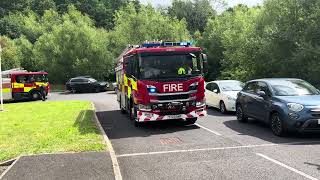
<point x="164" y="66"/>
<point x="231" y="86"/>
<point x="293" y="88"/>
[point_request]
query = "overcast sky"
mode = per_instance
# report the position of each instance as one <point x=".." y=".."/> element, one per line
<point x="229" y="2"/>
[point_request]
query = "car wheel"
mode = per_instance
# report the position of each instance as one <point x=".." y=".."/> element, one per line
<point x="241" y="117"/>
<point x="222" y="107"/>
<point x="190" y="121"/>
<point x="97" y="90"/>
<point x="276" y="124"/>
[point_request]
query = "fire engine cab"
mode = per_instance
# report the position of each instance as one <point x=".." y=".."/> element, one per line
<point x="162" y="81"/>
<point x="20" y="84"/>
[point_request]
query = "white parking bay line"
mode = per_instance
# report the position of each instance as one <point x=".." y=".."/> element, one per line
<point x="194" y="150"/>
<point x="288" y="167"/>
<point x="214" y="132"/>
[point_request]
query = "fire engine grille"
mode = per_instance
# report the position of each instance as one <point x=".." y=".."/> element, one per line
<point x="173" y="97"/>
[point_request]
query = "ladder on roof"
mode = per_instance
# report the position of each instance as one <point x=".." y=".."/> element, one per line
<point x="3" y="73"/>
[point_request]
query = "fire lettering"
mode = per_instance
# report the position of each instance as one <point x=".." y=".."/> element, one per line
<point x="172" y="87"/>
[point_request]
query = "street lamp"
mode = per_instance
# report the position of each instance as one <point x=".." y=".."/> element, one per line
<point x="1" y="89"/>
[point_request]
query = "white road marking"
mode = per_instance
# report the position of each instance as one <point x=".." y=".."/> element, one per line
<point x="214" y="132"/>
<point x="115" y="164"/>
<point x="288" y="167"/>
<point x="8" y="169"/>
<point x="214" y="149"/>
<point x="193" y="150"/>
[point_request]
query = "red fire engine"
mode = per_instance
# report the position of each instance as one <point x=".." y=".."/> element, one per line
<point x="162" y="81"/>
<point x="19" y="84"/>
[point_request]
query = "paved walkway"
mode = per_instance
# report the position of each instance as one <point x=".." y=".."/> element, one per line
<point x="89" y="165"/>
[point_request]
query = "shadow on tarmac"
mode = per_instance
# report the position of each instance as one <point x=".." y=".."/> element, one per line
<point x="118" y="125"/>
<point x="316" y="165"/>
<point x="262" y="131"/>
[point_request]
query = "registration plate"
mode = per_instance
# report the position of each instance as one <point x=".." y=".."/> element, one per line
<point x="318" y="121"/>
<point x="174" y="116"/>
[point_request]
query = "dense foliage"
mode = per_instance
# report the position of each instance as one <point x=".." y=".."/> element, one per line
<point x="280" y="38"/>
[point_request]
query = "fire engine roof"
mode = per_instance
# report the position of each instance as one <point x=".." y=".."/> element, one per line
<point x="28" y="73"/>
<point x="162" y="49"/>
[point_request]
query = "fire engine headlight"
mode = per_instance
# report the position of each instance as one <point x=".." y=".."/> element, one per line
<point x="144" y="107"/>
<point x="151" y="89"/>
<point x="200" y="103"/>
<point x="193" y="86"/>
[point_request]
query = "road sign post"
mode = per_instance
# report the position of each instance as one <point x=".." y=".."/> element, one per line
<point x="1" y="90"/>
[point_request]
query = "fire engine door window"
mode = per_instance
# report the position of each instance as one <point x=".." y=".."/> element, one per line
<point x="23" y="79"/>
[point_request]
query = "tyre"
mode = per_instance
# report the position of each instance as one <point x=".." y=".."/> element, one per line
<point x="133" y="113"/>
<point x="35" y="95"/>
<point x="277" y="125"/>
<point x="222" y="107"/>
<point x="123" y="111"/>
<point x="241" y="117"/>
<point x="190" y="121"/>
<point x="97" y="90"/>
<point x="137" y="124"/>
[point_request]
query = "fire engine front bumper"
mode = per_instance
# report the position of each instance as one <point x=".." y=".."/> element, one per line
<point x="150" y="116"/>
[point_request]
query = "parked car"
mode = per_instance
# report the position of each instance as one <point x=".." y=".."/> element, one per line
<point x="223" y="94"/>
<point x="285" y="104"/>
<point x="86" y="84"/>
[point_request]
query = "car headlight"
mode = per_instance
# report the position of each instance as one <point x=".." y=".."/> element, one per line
<point x="231" y="98"/>
<point x="295" y="107"/>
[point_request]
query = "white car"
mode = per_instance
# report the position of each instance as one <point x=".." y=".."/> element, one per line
<point x="223" y="94"/>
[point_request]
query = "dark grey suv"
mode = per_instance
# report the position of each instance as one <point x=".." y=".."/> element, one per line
<point x="285" y="104"/>
<point x="86" y="84"/>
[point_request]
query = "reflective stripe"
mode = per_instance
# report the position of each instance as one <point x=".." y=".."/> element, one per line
<point x="17" y="85"/>
<point x="181" y="71"/>
<point x="129" y="92"/>
<point x="134" y="84"/>
<point x="41" y="84"/>
<point x="125" y="79"/>
<point x="28" y="89"/>
<point x="6" y="90"/>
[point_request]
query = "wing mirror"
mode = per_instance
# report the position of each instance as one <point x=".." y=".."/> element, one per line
<point x="215" y="91"/>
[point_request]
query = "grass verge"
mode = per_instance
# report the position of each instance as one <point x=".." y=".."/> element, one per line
<point x="48" y="127"/>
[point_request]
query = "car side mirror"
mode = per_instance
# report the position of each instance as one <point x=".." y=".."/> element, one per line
<point x="215" y="91"/>
<point x="262" y="94"/>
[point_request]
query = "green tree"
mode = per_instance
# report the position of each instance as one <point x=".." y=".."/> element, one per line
<point x="132" y="27"/>
<point x="196" y="13"/>
<point x="74" y="47"/>
<point x="10" y="54"/>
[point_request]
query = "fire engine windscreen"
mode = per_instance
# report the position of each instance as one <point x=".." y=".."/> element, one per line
<point x="170" y="66"/>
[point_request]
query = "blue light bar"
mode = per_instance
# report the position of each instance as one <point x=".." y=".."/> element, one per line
<point x="166" y="44"/>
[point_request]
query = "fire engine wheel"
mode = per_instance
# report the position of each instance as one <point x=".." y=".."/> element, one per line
<point x="123" y="111"/>
<point x="190" y="121"/>
<point x="133" y="113"/>
<point x="137" y="124"/>
<point x="35" y="95"/>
